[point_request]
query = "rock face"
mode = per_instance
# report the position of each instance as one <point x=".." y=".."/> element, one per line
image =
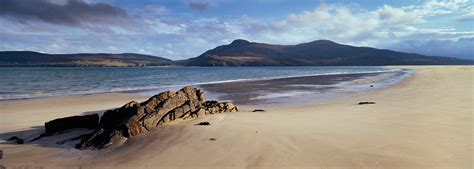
<point x="57" y="125"/>
<point x="137" y="118"/>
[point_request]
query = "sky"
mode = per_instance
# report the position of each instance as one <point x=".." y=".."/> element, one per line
<point x="180" y="29"/>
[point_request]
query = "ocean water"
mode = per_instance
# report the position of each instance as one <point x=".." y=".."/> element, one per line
<point x="33" y="82"/>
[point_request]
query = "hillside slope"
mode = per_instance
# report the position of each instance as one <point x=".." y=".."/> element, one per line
<point x="28" y="58"/>
<point x="317" y="53"/>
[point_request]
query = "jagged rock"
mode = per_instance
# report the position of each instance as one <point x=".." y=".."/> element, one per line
<point x="137" y="118"/>
<point x="57" y="125"/>
<point x="211" y="107"/>
<point x="16" y="140"/>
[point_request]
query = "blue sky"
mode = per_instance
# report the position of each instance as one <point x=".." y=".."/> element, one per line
<point x="180" y="29"/>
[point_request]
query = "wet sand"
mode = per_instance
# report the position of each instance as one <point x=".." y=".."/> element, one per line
<point x="296" y="91"/>
<point x="423" y="122"/>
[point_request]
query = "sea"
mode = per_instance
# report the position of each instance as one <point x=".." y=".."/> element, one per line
<point x="244" y="85"/>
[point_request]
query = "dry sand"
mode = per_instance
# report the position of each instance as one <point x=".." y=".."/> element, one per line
<point x="21" y="114"/>
<point x="423" y="122"/>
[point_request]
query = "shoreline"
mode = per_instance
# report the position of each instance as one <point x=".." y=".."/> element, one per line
<point x="175" y="87"/>
<point x="49" y="108"/>
<point x="412" y="125"/>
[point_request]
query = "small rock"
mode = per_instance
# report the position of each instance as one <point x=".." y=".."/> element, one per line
<point x="204" y="123"/>
<point x="212" y="139"/>
<point x="371" y="85"/>
<point x="362" y="103"/>
<point x="258" y="110"/>
<point x="16" y="140"/>
<point x="1" y="154"/>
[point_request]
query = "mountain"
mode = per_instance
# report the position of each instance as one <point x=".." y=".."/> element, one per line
<point x="28" y="58"/>
<point x="317" y="53"/>
<point x="240" y="53"/>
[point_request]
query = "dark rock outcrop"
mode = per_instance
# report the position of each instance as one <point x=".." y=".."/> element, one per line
<point x="137" y="118"/>
<point x="211" y="107"/>
<point x="66" y="123"/>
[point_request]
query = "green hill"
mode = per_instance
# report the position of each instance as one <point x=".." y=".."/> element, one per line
<point x="316" y="53"/>
<point x="28" y="58"/>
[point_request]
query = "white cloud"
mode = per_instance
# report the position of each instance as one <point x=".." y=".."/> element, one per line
<point x="351" y="25"/>
<point x="391" y="15"/>
<point x="161" y="27"/>
<point x="435" y="8"/>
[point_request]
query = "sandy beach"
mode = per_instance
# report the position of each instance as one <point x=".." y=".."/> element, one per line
<point x="424" y="121"/>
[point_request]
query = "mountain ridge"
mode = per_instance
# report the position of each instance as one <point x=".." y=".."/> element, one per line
<point x="239" y="52"/>
<point x="315" y="53"/>
<point x="37" y="59"/>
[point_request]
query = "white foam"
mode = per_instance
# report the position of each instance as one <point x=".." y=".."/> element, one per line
<point x="279" y="95"/>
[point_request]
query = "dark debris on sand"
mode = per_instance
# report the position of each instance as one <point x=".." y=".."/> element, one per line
<point x="362" y="103"/>
<point x="204" y="123"/>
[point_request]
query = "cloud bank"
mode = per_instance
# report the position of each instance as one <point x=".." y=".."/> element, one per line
<point x="72" y="13"/>
<point x="430" y="28"/>
<point x="462" y="48"/>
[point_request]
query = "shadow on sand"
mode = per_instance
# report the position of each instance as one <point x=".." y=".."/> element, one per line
<point x="35" y="135"/>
